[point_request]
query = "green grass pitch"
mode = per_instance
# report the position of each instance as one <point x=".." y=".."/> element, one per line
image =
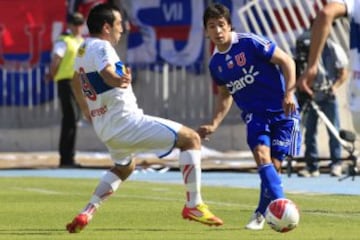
<point x="39" y="208"/>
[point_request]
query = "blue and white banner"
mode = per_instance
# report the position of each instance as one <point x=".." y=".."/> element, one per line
<point x="166" y="31"/>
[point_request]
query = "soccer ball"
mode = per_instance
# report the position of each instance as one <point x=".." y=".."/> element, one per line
<point x="282" y="215"/>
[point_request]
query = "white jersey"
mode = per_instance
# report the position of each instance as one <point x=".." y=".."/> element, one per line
<point x="107" y="105"/>
<point x="116" y="117"/>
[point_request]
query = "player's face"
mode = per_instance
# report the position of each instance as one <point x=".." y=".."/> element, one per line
<point x="116" y="30"/>
<point x="218" y="30"/>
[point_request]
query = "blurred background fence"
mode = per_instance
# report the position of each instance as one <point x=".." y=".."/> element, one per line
<point x="171" y="79"/>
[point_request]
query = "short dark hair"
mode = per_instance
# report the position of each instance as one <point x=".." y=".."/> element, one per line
<point x="216" y="11"/>
<point x="76" y="19"/>
<point x="99" y="15"/>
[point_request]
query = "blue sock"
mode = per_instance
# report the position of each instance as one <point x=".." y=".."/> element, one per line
<point x="264" y="200"/>
<point x="271" y="181"/>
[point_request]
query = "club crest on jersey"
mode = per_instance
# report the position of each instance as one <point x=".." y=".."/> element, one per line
<point x="81" y="51"/>
<point x="240" y="59"/>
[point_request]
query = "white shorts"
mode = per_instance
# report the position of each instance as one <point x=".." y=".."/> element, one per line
<point x="144" y="134"/>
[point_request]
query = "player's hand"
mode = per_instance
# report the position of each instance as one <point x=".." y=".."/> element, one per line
<point x="306" y="79"/>
<point x="86" y="116"/>
<point x="126" y="79"/>
<point x="85" y="112"/>
<point x="289" y="104"/>
<point x="205" y="130"/>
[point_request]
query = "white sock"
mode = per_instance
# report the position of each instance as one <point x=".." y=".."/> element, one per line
<point x="108" y="184"/>
<point x="190" y="166"/>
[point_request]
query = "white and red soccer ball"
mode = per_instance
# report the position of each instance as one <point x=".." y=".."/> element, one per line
<point x="282" y="215"/>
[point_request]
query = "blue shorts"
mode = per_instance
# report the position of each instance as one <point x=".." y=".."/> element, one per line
<point x="282" y="134"/>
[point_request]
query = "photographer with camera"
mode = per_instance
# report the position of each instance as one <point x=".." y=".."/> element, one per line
<point x="332" y="73"/>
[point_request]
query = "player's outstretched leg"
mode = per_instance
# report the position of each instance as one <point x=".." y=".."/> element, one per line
<point x="108" y="184"/>
<point x="194" y="208"/>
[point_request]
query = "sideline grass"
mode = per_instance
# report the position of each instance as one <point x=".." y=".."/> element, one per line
<point x="39" y="208"/>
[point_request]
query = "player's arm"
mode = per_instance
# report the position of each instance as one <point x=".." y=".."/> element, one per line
<point x="54" y="65"/>
<point x="223" y="103"/>
<point x="287" y="65"/>
<point x="319" y="33"/>
<point x="112" y="79"/>
<point x="56" y="58"/>
<point x="321" y="29"/>
<point x="80" y="99"/>
<point x="53" y="68"/>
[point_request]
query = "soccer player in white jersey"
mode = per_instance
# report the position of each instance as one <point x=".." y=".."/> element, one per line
<point x="260" y="78"/>
<point x="103" y="89"/>
<point x="319" y="33"/>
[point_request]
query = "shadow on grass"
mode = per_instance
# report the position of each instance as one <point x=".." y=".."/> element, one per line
<point x="47" y="232"/>
<point x="30" y="231"/>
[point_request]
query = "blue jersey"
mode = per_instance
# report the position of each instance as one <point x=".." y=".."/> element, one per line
<point x="255" y="83"/>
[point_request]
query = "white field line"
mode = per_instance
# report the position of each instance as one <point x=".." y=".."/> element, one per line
<point x="169" y="199"/>
<point x="40" y="190"/>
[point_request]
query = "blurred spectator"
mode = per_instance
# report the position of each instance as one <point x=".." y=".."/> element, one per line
<point x="62" y="71"/>
<point x="331" y="75"/>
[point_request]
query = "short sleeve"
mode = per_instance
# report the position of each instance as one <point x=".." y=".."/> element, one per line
<point x="264" y="47"/>
<point x="59" y="48"/>
<point x="103" y="55"/>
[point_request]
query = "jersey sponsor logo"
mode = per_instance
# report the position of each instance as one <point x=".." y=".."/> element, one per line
<point x="247" y="79"/>
<point x="278" y="142"/>
<point x="87" y="88"/>
<point x="99" y="111"/>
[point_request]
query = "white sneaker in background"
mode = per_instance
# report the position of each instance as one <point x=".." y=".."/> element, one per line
<point x="336" y="171"/>
<point x="306" y="173"/>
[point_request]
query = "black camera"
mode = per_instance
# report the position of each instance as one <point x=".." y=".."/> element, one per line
<point x="302" y="52"/>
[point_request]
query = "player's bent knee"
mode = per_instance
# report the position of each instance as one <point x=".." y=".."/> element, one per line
<point x="124" y="171"/>
<point x="277" y="164"/>
<point x="195" y="137"/>
<point x="262" y="155"/>
<point x="188" y="139"/>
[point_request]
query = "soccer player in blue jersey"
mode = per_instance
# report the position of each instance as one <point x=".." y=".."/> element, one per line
<point x="260" y="78"/>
